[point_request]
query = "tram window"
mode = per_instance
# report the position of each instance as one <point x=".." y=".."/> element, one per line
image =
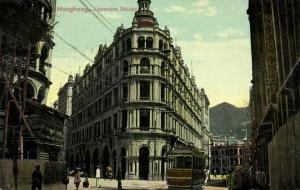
<point x="187" y="162"/>
<point x="180" y="162"/>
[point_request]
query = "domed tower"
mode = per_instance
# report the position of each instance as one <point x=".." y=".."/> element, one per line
<point x="144" y="16"/>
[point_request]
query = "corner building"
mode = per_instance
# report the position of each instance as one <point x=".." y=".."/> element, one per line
<point x="135" y="102"/>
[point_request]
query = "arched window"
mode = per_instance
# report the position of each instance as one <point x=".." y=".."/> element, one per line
<point x="149" y="42"/>
<point x="145" y="65"/>
<point x="141" y="42"/>
<point x="125" y="67"/>
<point x="161" y="45"/>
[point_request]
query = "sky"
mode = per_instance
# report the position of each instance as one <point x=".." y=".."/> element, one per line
<point x="213" y="35"/>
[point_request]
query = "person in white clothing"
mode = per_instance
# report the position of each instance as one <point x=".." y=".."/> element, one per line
<point x="97" y="176"/>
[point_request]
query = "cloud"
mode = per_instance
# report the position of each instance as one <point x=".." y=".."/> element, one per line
<point x="175" y="9"/>
<point x="221" y="67"/>
<point x="200" y="7"/>
<point x="174" y="31"/>
<point x="198" y="36"/>
<point x="232" y="33"/>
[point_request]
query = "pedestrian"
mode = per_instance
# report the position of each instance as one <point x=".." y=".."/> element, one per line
<point x="215" y="173"/>
<point x="109" y="172"/>
<point x="36" y="178"/>
<point x="77" y="179"/>
<point x="119" y="178"/>
<point x="98" y="176"/>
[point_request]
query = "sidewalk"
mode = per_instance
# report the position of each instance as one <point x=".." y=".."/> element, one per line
<point x="129" y="185"/>
<point x="126" y="184"/>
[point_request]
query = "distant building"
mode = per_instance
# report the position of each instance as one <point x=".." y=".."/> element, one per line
<point x="135" y="102"/>
<point x="64" y="106"/>
<point x="65" y="97"/>
<point x="226" y="157"/>
<point x="275" y="94"/>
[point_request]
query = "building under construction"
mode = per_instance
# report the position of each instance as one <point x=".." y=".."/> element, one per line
<point x="28" y="128"/>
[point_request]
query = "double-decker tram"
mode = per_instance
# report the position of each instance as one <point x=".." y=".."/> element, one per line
<point x="186" y="169"/>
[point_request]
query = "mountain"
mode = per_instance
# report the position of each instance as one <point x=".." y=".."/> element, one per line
<point x="228" y="120"/>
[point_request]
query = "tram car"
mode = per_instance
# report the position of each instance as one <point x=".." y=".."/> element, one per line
<point x="186" y="168"/>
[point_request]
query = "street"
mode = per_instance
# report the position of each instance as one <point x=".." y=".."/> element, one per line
<point x="129" y="184"/>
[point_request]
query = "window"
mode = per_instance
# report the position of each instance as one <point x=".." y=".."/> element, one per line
<point x="149" y="43"/>
<point x="163" y="68"/>
<point x="163" y="92"/>
<point x="161" y="45"/>
<point x="124" y="121"/>
<point x="144" y="119"/>
<point x="128" y="44"/>
<point x="116" y="95"/>
<point x="144" y="90"/>
<point x="141" y="42"/>
<point x="115" y="121"/>
<point x="125" y="91"/>
<point x="145" y="65"/>
<point x="125" y="67"/>
<point x="163" y="121"/>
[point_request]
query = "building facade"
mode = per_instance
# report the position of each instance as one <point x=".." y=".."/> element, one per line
<point x="226" y="157"/>
<point x="25" y="56"/>
<point x="274" y="96"/>
<point x="64" y="106"/>
<point x="135" y="102"/>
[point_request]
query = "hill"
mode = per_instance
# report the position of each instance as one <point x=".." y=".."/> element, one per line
<point x="228" y="120"/>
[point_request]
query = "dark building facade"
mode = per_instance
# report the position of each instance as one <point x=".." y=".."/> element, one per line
<point x="28" y="128"/>
<point x="135" y="102"/>
<point x="227" y="157"/>
<point x="274" y="96"/>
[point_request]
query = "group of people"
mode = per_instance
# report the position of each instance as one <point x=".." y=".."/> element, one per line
<point x="37" y="177"/>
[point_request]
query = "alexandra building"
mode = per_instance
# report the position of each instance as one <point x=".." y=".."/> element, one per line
<point x="135" y="102"/>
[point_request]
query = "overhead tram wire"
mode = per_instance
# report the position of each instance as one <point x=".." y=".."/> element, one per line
<point x="97" y="17"/>
<point x="73" y="47"/>
<point x="96" y="10"/>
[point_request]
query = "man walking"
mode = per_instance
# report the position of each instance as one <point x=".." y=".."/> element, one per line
<point x="37" y="179"/>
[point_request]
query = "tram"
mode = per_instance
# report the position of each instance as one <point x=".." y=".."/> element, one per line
<point x="186" y="169"/>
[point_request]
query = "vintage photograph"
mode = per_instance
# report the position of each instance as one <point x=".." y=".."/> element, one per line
<point x="150" y="94"/>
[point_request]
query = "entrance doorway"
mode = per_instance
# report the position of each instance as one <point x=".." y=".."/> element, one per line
<point x="123" y="162"/>
<point x="106" y="163"/>
<point x="144" y="163"/>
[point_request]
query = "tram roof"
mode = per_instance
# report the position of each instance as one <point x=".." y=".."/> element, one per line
<point x="186" y="150"/>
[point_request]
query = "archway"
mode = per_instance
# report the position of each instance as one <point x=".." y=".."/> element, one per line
<point x="163" y="161"/>
<point x="145" y="65"/>
<point x="95" y="159"/>
<point x="105" y="163"/>
<point x="30" y="92"/>
<point x="123" y="162"/>
<point x="87" y="162"/>
<point x="144" y="163"/>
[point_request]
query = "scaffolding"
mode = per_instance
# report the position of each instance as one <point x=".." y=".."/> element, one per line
<point x="22" y="26"/>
